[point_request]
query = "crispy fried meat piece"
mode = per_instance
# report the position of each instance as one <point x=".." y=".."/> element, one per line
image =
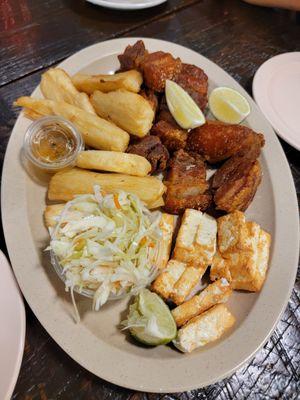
<point x="170" y="133"/>
<point x="237" y="192"/>
<point x="149" y="95"/>
<point x="194" y="80"/>
<point x="157" y="67"/>
<point x="186" y="183"/>
<point x="239" y="164"/>
<point x="133" y="56"/>
<point x="217" y="141"/>
<point x="151" y="148"/>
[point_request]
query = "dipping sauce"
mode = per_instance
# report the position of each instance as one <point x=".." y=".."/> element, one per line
<point x="52" y="143"/>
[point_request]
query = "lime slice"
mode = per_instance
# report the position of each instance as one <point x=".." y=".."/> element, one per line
<point x="182" y="107"/>
<point x="228" y="105"/>
<point x="150" y="320"/>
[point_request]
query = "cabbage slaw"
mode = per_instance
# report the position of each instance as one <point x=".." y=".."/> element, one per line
<point x="107" y="243"/>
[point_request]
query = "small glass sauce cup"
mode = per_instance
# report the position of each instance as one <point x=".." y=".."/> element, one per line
<point x="52" y="143"/>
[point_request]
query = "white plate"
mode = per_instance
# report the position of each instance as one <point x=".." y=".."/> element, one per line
<point x="276" y="89"/>
<point x="12" y="330"/>
<point x="97" y="343"/>
<point x="127" y="4"/>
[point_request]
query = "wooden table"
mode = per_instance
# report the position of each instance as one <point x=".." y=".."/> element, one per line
<point x="35" y="35"/>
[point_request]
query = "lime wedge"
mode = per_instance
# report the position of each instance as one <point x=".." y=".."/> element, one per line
<point x="150" y="320"/>
<point x="182" y="107"/>
<point x="228" y="105"/>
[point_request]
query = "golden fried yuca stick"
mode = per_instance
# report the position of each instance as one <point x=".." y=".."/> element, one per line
<point x="51" y="213"/>
<point x="96" y="132"/>
<point x="112" y="161"/>
<point x="129" y="80"/>
<point x="57" y="85"/>
<point x="157" y="203"/>
<point x="130" y="111"/>
<point x="66" y="184"/>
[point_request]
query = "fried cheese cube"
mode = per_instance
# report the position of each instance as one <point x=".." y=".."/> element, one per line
<point x="263" y="256"/>
<point x="245" y="265"/>
<point x="215" y="293"/>
<point x="205" y="328"/>
<point x="219" y="268"/>
<point x="248" y="269"/>
<point x="196" y="240"/>
<point x="186" y="283"/>
<point x="164" y="283"/>
<point x="231" y="232"/>
<point x="167" y="226"/>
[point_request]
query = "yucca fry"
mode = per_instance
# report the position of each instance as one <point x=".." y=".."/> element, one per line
<point x="159" y="202"/>
<point x="112" y="161"/>
<point x="51" y="213"/>
<point x="96" y="132"/>
<point x="129" y="80"/>
<point x="57" y="85"/>
<point x="130" y="111"/>
<point x="64" y="185"/>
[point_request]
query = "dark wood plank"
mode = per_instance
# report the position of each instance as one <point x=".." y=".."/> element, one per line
<point x="35" y="33"/>
<point x="239" y="38"/>
<point x="236" y="36"/>
<point x="48" y="373"/>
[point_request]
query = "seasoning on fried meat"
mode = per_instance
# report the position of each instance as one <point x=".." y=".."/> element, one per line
<point x="186" y="182"/>
<point x="151" y="148"/>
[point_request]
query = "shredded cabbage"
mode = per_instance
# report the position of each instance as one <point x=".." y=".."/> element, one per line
<point x="107" y="243"/>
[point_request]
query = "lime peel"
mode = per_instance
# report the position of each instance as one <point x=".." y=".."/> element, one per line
<point x="228" y="105"/>
<point x="150" y="320"/>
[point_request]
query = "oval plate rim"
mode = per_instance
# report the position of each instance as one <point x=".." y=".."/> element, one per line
<point x="286" y="229"/>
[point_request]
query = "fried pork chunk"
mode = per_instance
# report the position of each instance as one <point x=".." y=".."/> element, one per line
<point x="236" y="182"/>
<point x="238" y="191"/>
<point x="151" y="148"/>
<point x="157" y="67"/>
<point x="240" y="164"/>
<point x="170" y="133"/>
<point x="149" y="95"/>
<point x="186" y="182"/>
<point x="217" y="141"/>
<point x="194" y="81"/>
<point x="133" y="56"/>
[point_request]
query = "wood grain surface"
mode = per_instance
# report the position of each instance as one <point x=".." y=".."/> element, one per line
<point x="35" y="34"/>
